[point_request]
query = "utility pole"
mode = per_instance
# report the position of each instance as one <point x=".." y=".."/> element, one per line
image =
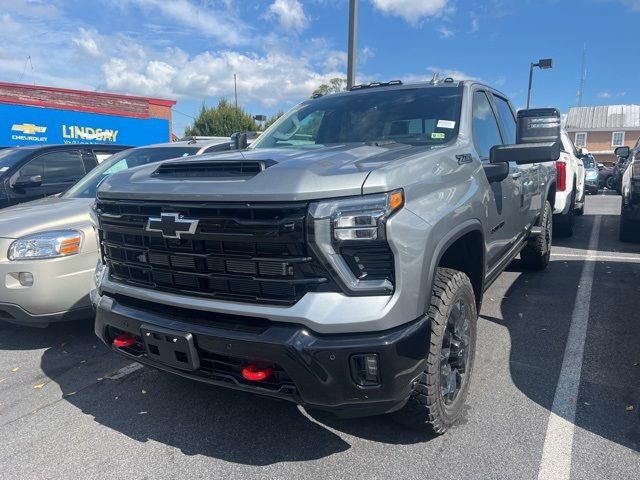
<point x="583" y="74"/>
<point x="235" y="92"/>
<point x="353" y="33"/>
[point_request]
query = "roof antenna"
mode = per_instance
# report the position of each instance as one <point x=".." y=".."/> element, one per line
<point x="435" y="79"/>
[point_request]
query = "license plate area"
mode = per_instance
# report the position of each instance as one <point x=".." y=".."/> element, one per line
<point x="170" y="347"/>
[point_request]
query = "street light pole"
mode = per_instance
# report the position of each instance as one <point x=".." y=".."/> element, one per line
<point x="530" y="82"/>
<point x="353" y="33"/>
<point x="543" y="64"/>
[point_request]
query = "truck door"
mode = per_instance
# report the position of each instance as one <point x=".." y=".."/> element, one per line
<point x="502" y="206"/>
<point x="529" y="196"/>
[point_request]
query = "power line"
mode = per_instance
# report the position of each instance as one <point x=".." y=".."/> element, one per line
<point x="27" y="60"/>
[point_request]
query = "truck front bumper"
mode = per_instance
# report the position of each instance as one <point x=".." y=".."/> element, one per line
<point x="311" y="369"/>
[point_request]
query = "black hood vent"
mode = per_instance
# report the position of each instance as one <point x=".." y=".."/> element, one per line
<point x="213" y="168"/>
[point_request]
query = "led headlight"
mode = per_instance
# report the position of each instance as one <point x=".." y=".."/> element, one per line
<point x="58" y="243"/>
<point x="353" y="221"/>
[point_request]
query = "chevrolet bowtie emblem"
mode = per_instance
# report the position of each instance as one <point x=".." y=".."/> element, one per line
<point x="172" y="225"/>
<point x="28" y="128"/>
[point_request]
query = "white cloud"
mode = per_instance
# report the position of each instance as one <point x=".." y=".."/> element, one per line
<point x="204" y="18"/>
<point x="87" y="42"/>
<point x="268" y="80"/>
<point x="475" y="23"/>
<point x="633" y="4"/>
<point x="413" y="11"/>
<point x="449" y="72"/>
<point x="290" y="15"/>
<point x="444" y="32"/>
<point x="604" y="94"/>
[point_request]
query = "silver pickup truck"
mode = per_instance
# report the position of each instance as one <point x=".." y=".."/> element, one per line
<point x="340" y="261"/>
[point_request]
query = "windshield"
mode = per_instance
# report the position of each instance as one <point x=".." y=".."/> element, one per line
<point x="589" y="162"/>
<point x="88" y="186"/>
<point x="418" y="116"/>
<point x="10" y="157"/>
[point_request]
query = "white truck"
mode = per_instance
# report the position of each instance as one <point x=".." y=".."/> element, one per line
<point x="570" y="187"/>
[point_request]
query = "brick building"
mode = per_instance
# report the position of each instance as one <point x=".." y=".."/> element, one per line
<point x="32" y="115"/>
<point x="602" y="129"/>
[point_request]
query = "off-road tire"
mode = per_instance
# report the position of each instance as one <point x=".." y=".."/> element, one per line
<point x="426" y="409"/>
<point x="537" y="253"/>
<point x="563" y="224"/>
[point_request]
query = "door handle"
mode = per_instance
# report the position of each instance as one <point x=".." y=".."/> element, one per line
<point x="516" y="175"/>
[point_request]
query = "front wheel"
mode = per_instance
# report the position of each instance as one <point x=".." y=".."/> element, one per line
<point x="440" y="392"/>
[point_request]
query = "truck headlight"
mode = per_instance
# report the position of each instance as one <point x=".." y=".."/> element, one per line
<point x="98" y="275"/>
<point x="345" y="231"/>
<point x="57" y="243"/>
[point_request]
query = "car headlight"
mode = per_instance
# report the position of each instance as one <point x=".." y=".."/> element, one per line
<point x="57" y="243"/>
<point x="350" y="236"/>
<point x="98" y="275"/>
<point x="592" y="175"/>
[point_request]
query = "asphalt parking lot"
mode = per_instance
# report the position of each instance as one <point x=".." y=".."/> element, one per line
<point x="555" y="394"/>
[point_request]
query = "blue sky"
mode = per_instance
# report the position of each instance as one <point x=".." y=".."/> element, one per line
<point x="282" y="49"/>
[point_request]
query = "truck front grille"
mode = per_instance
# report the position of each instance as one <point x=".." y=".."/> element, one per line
<point x="248" y="252"/>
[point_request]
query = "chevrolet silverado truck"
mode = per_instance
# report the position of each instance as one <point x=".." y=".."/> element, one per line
<point x="341" y="261"/>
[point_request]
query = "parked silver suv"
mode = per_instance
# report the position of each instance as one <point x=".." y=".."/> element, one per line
<point x="340" y="262"/>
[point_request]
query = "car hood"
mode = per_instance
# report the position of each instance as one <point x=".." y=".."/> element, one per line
<point x="51" y="213"/>
<point x="291" y="174"/>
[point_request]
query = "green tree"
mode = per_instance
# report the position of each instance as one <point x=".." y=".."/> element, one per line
<point x="272" y="119"/>
<point x="335" y="85"/>
<point x="221" y="121"/>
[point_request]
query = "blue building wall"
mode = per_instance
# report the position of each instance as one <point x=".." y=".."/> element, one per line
<point x="24" y="125"/>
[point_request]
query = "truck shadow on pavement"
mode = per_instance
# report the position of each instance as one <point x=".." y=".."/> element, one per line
<point x="537" y="311"/>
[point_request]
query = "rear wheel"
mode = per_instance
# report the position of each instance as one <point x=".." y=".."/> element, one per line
<point x="441" y="390"/>
<point x="608" y="183"/>
<point x="537" y="253"/>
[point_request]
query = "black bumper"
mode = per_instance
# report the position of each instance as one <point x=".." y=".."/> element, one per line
<point x="311" y="369"/>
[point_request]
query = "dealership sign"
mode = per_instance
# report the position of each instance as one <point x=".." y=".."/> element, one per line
<point x="23" y="125"/>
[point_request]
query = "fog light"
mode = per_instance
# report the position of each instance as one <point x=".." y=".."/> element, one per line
<point x="365" y="369"/>
<point x="25" y="279"/>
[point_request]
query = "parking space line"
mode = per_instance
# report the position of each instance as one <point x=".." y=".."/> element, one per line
<point x="599" y="256"/>
<point x="558" y="442"/>
<point x="124" y="371"/>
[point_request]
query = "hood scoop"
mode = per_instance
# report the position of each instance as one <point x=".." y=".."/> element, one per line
<point x="213" y="168"/>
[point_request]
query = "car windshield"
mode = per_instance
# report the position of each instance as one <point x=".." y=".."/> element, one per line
<point x="11" y="156"/>
<point x="88" y="186"/>
<point x="417" y="116"/>
<point x="589" y="162"/>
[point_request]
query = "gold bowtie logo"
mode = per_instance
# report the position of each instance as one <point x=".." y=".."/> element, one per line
<point x="28" y="128"/>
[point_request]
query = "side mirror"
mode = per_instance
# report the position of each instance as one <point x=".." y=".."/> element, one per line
<point x="239" y="141"/>
<point x="537" y="140"/>
<point x="580" y="152"/>
<point x="600" y="166"/>
<point x="622" y="152"/>
<point x="27" y="181"/>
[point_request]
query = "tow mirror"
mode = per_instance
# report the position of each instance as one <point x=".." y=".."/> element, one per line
<point x="27" y="181"/>
<point x="622" y="152"/>
<point x="239" y="141"/>
<point x="537" y="139"/>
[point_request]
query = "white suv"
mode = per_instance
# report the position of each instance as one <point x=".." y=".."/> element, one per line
<point x="570" y="188"/>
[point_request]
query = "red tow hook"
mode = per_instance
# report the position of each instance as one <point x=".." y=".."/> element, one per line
<point x="124" y="341"/>
<point x="255" y="374"/>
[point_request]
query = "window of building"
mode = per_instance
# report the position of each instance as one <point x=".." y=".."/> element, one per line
<point x="617" y="139"/>
<point x="581" y="139"/>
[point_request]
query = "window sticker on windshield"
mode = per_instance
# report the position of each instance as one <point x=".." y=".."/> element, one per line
<point x="4" y="169"/>
<point x="436" y="135"/>
<point x="446" y="124"/>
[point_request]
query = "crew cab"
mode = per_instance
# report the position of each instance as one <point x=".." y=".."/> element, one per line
<point x="570" y="187"/>
<point x="341" y="261"/>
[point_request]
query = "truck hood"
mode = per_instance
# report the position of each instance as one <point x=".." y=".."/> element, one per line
<point x="51" y="213"/>
<point x="292" y="174"/>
